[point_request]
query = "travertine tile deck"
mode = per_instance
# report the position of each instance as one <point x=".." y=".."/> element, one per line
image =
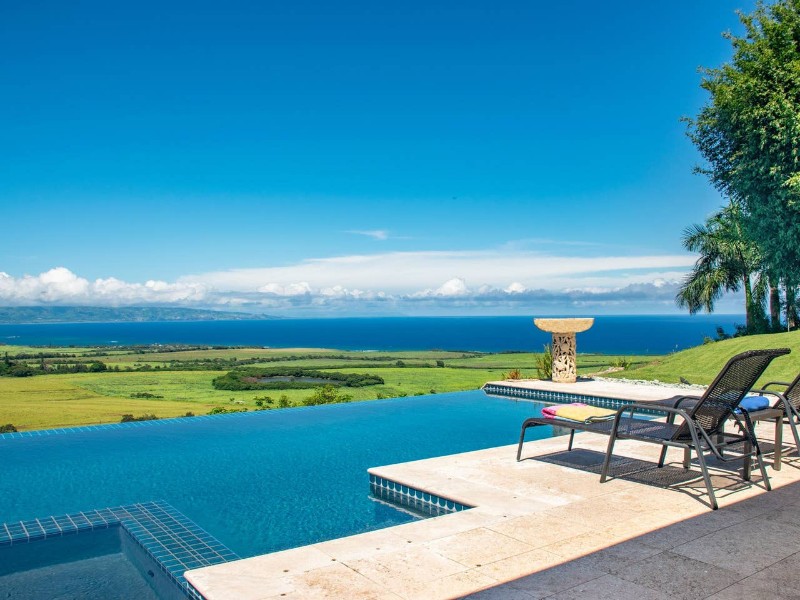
<point x="546" y="528"/>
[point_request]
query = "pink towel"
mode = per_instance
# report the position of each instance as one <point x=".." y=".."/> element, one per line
<point x="551" y="412"/>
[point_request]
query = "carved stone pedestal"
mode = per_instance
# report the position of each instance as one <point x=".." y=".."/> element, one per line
<point x="564" y="345"/>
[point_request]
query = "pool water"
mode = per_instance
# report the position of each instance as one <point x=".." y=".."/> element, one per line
<point x="258" y="482"/>
<point x="90" y="566"/>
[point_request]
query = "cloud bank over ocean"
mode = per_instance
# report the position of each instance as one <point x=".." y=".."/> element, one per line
<point x="479" y="282"/>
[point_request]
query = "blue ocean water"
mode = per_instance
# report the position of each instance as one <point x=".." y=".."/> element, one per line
<point x="610" y="334"/>
<point x="258" y="482"/>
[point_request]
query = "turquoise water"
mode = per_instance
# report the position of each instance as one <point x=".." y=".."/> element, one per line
<point x="258" y="482"/>
<point x="637" y="334"/>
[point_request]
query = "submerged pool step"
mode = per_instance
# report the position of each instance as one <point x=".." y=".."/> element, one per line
<point x="173" y="541"/>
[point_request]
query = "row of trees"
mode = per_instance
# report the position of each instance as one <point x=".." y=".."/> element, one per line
<point x="749" y="135"/>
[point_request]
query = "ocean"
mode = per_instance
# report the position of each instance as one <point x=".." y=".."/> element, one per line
<point x="637" y="334"/>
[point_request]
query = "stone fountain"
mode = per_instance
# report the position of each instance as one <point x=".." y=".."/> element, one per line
<point x="564" y="346"/>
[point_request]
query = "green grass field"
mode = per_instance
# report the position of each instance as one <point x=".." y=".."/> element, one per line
<point x="72" y="399"/>
<point x="701" y="363"/>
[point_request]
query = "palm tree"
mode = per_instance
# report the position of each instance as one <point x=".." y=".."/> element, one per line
<point x="727" y="262"/>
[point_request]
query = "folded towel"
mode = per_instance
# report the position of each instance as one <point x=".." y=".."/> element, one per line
<point x="753" y="403"/>
<point x="552" y="411"/>
<point x="582" y="413"/>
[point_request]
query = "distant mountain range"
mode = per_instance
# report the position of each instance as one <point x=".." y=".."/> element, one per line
<point x="88" y="314"/>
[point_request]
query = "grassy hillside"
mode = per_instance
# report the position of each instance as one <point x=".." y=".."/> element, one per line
<point x="702" y="363"/>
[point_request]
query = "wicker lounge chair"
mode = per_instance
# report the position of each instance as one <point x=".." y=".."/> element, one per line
<point x="788" y="404"/>
<point x="702" y="429"/>
<point x="785" y="409"/>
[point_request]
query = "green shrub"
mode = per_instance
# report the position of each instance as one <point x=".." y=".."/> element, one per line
<point x="544" y="363"/>
<point x="130" y="418"/>
<point x="621" y="362"/>
<point x="327" y="394"/>
<point x="7" y="428"/>
<point x="222" y="410"/>
<point x="248" y="379"/>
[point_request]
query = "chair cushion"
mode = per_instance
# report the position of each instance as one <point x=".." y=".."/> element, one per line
<point x="753" y="403"/>
<point x="582" y="414"/>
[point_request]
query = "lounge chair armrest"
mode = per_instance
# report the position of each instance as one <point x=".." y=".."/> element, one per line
<point x="633" y="407"/>
<point x="766" y="385"/>
<point x="652" y="408"/>
<point x="681" y="399"/>
<point x="766" y="391"/>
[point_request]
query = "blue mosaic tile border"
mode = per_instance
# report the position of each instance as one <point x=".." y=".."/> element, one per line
<point x="408" y="497"/>
<point x="508" y="391"/>
<point x="548" y="396"/>
<point x="172" y="540"/>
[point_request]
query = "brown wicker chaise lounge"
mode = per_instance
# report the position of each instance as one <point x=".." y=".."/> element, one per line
<point x="787" y="406"/>
<point x="702" y="429"/>
<point x="785" y="409"/>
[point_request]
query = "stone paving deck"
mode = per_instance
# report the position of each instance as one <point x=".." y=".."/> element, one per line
<point x="546" y="528"/>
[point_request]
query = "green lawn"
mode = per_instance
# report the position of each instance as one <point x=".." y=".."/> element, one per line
<point x="701" y="363"/>
<point x="62" y="401"/>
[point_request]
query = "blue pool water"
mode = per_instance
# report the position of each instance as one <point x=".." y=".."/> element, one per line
<point x="258" y="482"/>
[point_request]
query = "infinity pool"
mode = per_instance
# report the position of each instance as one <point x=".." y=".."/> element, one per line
<point x="258" y="482"/>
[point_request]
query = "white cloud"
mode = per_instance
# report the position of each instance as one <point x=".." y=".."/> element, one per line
<point x="375" y="234"/>
<point x="452" y="288"/>
<point x="62" y="286"/>
<point x="300" y="288"/>
<point x="423" y="282"/>
<point x="407" y="272"/>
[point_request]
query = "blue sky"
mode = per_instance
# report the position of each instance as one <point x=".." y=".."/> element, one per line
<point x="354" y="157"/>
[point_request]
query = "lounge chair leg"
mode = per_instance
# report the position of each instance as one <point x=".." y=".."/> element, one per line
<point x="571" y="438"/>
<point x="701" y="460"/>
<point x="706" y="478"/>
<point x="663" y="456"/>
<point x="762" y="468"/>
<point x="747" y="467"/>
<point x="609" y="451"/>
<point x="777" y="455"/>
<point x="750" y="445"/>
<point x="794" y="432"/>
<point x="521" y="439"/>
<point x="687" y="458"/>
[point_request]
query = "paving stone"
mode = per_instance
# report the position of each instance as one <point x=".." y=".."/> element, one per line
<point x="609" y="588"/>
<point x="679" y="576"/>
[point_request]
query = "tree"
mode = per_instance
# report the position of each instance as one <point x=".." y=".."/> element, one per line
<point x="749" y="133"/>
<point x="727" y="262"/>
